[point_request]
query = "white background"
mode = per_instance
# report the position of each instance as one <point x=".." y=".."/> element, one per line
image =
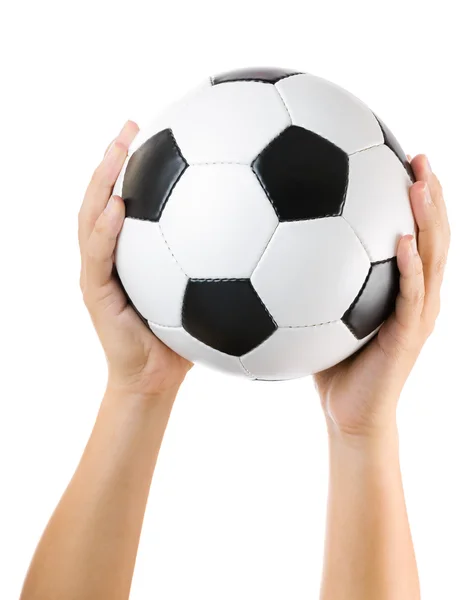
<point x="237" y="505"/>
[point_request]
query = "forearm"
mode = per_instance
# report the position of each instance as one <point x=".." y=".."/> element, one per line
<point x="89" y="547"/>
<point x="369" y="552"/>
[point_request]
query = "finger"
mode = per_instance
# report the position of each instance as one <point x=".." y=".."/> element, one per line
<point x="103" y="180"/>
<point x="98" y="261"/>
<point x="432" y="244"/>
<point x="423" y="172"/>
<point x="410" y="300"/>
<point x="126" y="135"/>
<point x="108" y="147"/>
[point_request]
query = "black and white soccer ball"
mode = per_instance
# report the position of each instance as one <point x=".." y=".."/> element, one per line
<point x="263" y="212"/>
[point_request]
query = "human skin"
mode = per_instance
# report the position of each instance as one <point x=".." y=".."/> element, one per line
<point x="88" y="549"/>
<point x="369" y="551"/>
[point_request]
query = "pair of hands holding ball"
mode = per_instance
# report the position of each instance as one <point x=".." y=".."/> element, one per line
<point x="359" y="396"/>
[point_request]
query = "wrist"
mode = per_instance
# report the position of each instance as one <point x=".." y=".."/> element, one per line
<point x="117" y="393"/>
<point x="365" y="463"/>
<point x="376" y="441"/>
<point x="361" y="423"/>
<point x="132" y="416"/>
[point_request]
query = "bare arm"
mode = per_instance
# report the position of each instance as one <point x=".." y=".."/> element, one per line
<point x="369" y="552"/>
<point x="89" y="547"/>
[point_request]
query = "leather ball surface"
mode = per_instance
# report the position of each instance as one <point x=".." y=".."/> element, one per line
<point x="263" y="212"/>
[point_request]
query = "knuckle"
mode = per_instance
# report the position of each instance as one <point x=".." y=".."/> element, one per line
<point x="121" y="147"/>
<point x="414" y="300"/>
<point x="418" y="266"/>
<point x="92" y="252"/>
<point x="418" y="298"/>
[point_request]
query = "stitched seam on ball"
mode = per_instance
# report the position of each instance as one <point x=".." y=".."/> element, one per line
<point x="221" y="162"/>
<point x="365" y="149"/>
<point x="386" y="260"/>
<point x="249" y="374"/>
<point x="358" y="238"/>
<point x="171" y="253"/>
<point x="285" y="105"/>
<point x="264" y="251"/>
<point x="333" y="215"/>
<point x="265" y="189"/>
<point x="288" y="75"/>
<point x="211" y="279"/>
<point x="239" y="279"/>
<point x="361" y="291"/>
<point x="177" y="149"/>
<point x="306" y="326"/>
<point x="265" y="307"/>
<point x="176" y="146"/>
<point x="349" y="328"/>
<point x="382" y="131"/>
<point x="346" y="185"/>
<point x="203" y="344"/>
<point x="143" y="219"/>
<point x="183" y="309"/>
<point x="258" y="80"/>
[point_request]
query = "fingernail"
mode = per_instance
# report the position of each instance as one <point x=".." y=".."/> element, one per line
<point x="128" y="132"/>
<point x="428" y="165"/>
<point x="413" y="246"/>
<point x="427" y="194"/>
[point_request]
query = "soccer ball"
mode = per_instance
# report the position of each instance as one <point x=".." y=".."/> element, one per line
<point x="263" y="212"/>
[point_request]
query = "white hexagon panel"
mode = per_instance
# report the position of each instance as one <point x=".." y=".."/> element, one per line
<point x="146" y="268"/>
<point x="223" y="123"/>
<point x="218" y="221"/>
<point x="311" y="272"/>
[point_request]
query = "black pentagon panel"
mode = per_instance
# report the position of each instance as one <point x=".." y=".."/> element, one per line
<point x="391" y="142"/>
<point x="304" y="175"/>
<point x="227" y="315"/>
<point x="151" y="175"/>
<point x="261" y="74"/>
<point x="376" y="300"/>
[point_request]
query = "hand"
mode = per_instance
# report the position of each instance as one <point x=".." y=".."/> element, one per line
<point x="360" y="395"/>
<point x="137" y="361"/>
